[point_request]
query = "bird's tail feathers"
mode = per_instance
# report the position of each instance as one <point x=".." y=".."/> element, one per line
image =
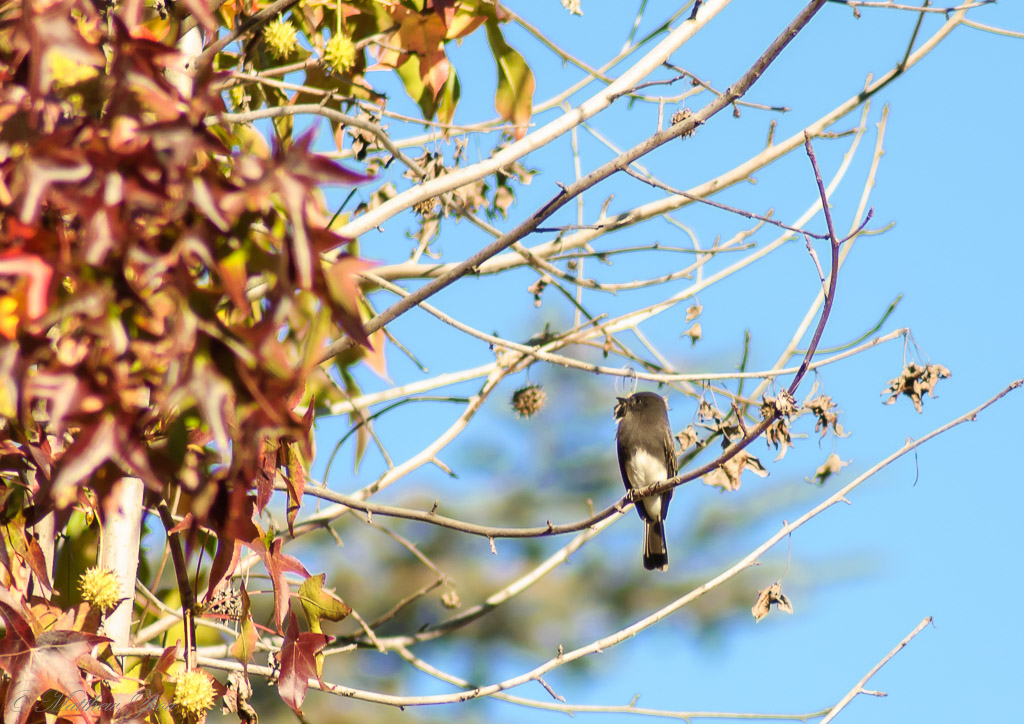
<point x="655" y="551"/>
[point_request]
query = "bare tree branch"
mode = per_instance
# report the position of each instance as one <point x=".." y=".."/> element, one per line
<point x="685" y="126"/>
<point x="859" y="688"/>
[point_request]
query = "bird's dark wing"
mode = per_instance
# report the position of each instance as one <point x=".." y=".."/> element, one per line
<point x="624" y="445"/>
<point x="670" y="452"/>
<point x="670" y="466"/>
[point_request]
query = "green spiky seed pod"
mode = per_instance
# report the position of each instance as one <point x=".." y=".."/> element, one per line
<point x="100" y="588"/>
<point x="281" y="38"/>
<point x="194" y="694"/>
<point x="340" y="53"/>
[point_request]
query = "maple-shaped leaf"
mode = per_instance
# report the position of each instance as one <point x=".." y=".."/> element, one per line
<point x="94" y="447"/>
<point x="298" y="663"/>
<point x="37" y="664"/>
<point x="319" y="604"/>
<point x="277" y="564"/>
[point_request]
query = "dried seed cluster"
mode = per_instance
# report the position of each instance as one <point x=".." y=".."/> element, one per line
<point x="528" y="401"/>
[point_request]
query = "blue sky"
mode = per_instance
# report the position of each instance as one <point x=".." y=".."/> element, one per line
<point x="938" y="533"/>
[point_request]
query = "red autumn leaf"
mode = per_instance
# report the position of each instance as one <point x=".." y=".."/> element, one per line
<point x="277" y="564"/>
<point x="298" y="663"/>
<point x="296" y="482"/>
<point x="325" y="240"/>
<point x="298" y="172"/>
<point x="225" y="561"/>
<point x="266" y="473"/>
<point x="37" y="664"/>
<point x="27" y="548"/>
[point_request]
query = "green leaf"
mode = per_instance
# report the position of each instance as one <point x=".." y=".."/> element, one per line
<point x="319" y="604"/>
<point x="409" y="72"/>
<point x="514" y="97"/>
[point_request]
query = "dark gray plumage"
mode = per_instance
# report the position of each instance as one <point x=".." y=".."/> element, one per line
<point x="647" y="455"/>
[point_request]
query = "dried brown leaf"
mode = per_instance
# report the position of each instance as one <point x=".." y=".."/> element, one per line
<point x="914" y="381"/>
<point x="727" y="475"/>
<point x="767" y="597"/>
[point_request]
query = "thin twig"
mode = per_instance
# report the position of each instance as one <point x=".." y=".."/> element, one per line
<point x="913" y="8"/>
<point x="859" y="688"/>
<point x="725" y="207"/>
<point x="572" y="709"/>
<point x="188" y="598"/>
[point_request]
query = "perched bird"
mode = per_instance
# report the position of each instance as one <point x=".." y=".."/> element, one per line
<point x="647" y="455"/>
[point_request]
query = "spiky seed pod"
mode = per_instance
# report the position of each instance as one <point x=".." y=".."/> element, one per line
<point x="528" y="401"/>
<point x="100" y="588"/>
<point x="194" y="694"/>
<point x="681" y="115"/>
<point x="281" y="38"/>
<point x="340" y="53"/>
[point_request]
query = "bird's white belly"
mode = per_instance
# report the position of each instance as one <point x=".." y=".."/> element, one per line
<point x="645" y="469"/>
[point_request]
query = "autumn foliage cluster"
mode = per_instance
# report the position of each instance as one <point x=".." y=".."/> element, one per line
<point x="165" y="300"/>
